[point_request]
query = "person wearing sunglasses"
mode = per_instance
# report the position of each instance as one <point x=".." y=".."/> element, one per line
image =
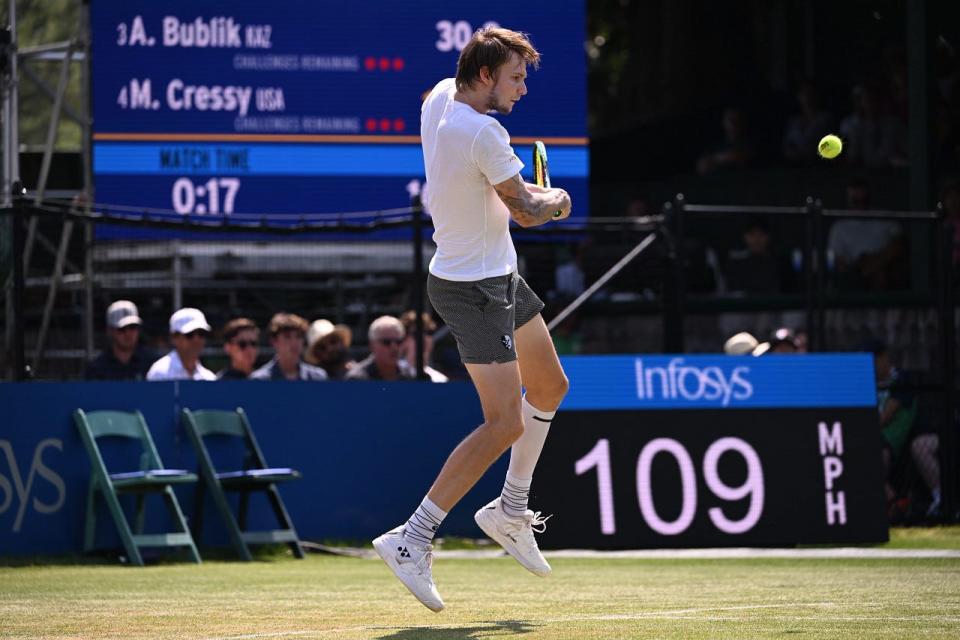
<point x="287" y="332"/>
<point x="188" y="332"/>
<point x="241" y="339"/>
<point x="125" y="359"/>
<point x="386" y="336"/>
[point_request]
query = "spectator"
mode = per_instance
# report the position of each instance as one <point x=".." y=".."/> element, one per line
<point x="753" y="269"/>
<point x="328" y="347"/>
<point x="188" y="332"/>
<point x="386" y="334"/>
<point x="881" y="137"/>
<point x="125" y="359"/>
<point x="925" y="452"/>
<point x="804" y="130"/>
<point x="866" y="253"/>
<point x="741" y="344"/>
<point x="408" y="350"/>
<point x="241" y="337"/>
<point x="287" y="332"/>
<point x="898" y="409"/>
<point x="782" y="340"/>
<point x="801" y="340"/>
<point x="738" y="149"/>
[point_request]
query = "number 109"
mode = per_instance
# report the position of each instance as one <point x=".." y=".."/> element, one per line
<point x="599" y="458"/>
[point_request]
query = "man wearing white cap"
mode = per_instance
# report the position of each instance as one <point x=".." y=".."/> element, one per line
<point x="124" y="359"/>
<point x="188" y="331"/>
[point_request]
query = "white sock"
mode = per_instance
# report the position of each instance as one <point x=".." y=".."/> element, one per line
<point x="423" y="524"/>
<point x="514" y="496"/>
<point x="523" y="459"/>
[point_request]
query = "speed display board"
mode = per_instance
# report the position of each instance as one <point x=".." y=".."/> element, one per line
<point x="692" y="451"/>
<point x="307" y="106"/>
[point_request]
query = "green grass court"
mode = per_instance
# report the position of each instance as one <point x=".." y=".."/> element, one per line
<point x="336" y="597"/>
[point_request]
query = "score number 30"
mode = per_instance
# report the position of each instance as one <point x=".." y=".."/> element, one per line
<point x="599" y="458"/>
<point x="455" y="35"/>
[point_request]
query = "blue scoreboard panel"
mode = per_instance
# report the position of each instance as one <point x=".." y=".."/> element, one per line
<point x="288" y="107"/>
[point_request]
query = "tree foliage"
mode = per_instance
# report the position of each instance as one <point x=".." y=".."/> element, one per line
<point x="44" y="22"/>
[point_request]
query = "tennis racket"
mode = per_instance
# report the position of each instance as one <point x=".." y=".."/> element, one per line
<point x="541" y="173"/>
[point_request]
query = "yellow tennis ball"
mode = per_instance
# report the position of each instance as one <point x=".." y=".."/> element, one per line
<point x="830" y="146"/>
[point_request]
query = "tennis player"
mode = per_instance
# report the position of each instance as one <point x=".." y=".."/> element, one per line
<point x="475" y="189"/>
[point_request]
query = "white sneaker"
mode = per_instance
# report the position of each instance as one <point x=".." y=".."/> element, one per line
<point x="412" y="563"/>
<point x="515" y="535"/>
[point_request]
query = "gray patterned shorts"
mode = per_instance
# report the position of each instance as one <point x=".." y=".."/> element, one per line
<point x="483" y="314"/>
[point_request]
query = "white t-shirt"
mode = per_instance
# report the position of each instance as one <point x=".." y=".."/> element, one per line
<point x="169" y="367"/>
<point x="465" y="152"/>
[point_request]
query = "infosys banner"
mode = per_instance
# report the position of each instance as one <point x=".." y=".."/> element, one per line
<point x="720" y="382"/>
<point x="693" y="451"/>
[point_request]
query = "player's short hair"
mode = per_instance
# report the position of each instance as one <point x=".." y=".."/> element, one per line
<point x="491" y="47"/>
<point x="235" y="326"/>
<point x="287" y="322"/>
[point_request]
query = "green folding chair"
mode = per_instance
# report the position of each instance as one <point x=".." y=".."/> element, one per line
<point x="253" y="476"/>
<point x="150" y="477"/>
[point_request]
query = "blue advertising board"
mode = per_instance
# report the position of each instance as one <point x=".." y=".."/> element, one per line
<point x="298" y="106"/>
<point x="791" y="467"/>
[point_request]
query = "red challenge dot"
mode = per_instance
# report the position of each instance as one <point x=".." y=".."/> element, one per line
<point x="385" y="124"/>
<point x="384" y="64"/>
<point x="371" y="124"/>
<point x="399" y="124"/>
<point x="398" y="64"/>
<point x="370" y="63"/>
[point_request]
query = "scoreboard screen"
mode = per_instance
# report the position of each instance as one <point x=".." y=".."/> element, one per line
<point x="222" y="108"/>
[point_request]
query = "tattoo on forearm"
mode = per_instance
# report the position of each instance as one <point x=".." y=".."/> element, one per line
<point x="520" y="203"/>
<point x="545" y="212"/>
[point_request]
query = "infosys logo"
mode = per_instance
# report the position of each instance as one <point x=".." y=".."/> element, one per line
<point x="679" y="381"/>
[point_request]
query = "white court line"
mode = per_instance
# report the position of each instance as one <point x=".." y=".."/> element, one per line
<point x="698" y="554"/>
<point x="753" y="552"/>
<point x="674" y="614"/>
